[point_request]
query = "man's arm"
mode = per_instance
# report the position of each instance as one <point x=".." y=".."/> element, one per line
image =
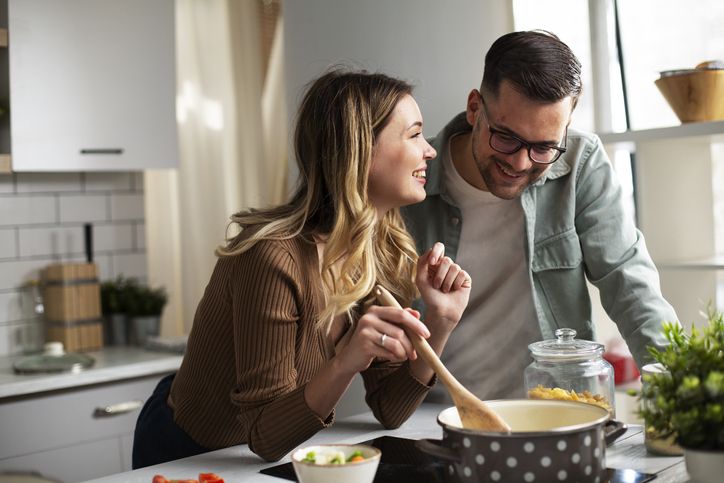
<point x="616" y="258"/>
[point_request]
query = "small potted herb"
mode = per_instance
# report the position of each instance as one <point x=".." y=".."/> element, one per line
<point x="115" y="330"/>
<point x="686" y="399"/>
<point x="144" y="306"/>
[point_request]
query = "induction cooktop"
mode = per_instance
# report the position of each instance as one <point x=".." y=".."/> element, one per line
<point x="402" y="462"/>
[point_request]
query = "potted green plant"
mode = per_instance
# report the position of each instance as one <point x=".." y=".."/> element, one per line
<point x="144" y="306"/>
<point x="686" y="399"/>
<point x="115" y="330"/>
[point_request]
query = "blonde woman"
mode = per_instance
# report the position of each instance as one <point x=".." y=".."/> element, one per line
<point x="285" y="323"/>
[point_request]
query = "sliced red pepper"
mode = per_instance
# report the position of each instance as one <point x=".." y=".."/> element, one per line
<point x="210" y="478"/>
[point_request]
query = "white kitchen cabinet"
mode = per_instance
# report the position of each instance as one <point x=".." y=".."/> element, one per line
<point x="680" y="191"/>
<point x="92" y="85"/>
<point x="60" y="434"/>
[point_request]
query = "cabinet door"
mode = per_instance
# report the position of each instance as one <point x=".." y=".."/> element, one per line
<point x="92" y="85"/>
<point x="63" y="418"/>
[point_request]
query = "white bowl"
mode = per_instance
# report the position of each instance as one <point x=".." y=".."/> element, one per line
<point x="359" y="472"/>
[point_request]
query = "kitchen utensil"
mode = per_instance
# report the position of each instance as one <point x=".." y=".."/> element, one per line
<point x="474" y="413"/>
<point x="352" y="472"/>
<point x="53" y="359"/>
<point x="549" y="441"/>
<point x="694" y="94"/>
<point x="570" y="369"/>
<point x="71" y="299"/>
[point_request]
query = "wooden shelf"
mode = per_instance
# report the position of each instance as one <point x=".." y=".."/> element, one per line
<point x="712" y="129"/>
<point x="5" y="164"/>
<point x="3" y="37"/>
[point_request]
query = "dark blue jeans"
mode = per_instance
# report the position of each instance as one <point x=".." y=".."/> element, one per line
<point x="158" y="438"/>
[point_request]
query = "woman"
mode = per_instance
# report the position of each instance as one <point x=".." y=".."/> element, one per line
<point x="285" y="322"/>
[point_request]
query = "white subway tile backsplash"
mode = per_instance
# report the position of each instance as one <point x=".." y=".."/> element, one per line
<point x="6" y="183"/>
<point x="41" y="222"/>
<point x="130" y="264"/>
<point x="83" y="208"/>
<point x="48" y="182"/>
<point x="27" y="209"/>
<point x="141" y="236"/>
<point x="138" y="181"/>
<point x="127" y="206"/>
<point x="109" y="181"/>
<point x="105" y="266"/>
<point x="14" y="273"/>
<point x="113" y="237"/>
<point x="8" y="243"/>
<point x="53" y="241"/>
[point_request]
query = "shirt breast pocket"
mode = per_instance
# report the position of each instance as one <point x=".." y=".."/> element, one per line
<point x="560" y="280"/>
<point x="559" y="252"/>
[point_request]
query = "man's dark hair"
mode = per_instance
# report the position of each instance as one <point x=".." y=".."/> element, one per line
<point x="538" y="64"/>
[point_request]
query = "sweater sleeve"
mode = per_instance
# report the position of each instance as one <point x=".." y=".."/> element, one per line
<point x="392" y="392"/>
<point x="267" y="302"/>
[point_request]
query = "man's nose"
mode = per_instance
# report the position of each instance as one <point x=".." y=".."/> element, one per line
<point x="520" y="161"/>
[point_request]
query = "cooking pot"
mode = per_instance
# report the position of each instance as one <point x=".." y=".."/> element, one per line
<point x="550" y="441"/>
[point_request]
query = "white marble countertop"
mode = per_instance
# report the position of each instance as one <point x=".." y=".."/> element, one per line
<point x="238" y="463"/>
<point x="111" y="364"/>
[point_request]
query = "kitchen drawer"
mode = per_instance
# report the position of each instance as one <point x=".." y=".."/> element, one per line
<point x="73" y="463"/>
<point x="61" y="418"/>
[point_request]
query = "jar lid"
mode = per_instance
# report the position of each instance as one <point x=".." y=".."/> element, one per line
<point x="53" y="359"/>
<point x="565" y="347"/>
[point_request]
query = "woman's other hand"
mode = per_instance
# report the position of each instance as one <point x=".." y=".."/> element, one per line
<point x="380" y="333"/>
<point x="444" y="286"/>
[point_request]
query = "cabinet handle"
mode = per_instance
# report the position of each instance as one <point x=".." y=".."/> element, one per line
<point x="102" y="151"/>
<point x="117" y="409"/>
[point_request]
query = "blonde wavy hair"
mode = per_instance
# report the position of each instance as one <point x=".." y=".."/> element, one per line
<point x="339" y="120"/>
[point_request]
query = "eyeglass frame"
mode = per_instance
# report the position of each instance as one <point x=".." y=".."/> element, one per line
<point x="493" y="131"/>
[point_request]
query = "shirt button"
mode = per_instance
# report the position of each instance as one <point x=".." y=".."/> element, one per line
<point x="454" y="220"/>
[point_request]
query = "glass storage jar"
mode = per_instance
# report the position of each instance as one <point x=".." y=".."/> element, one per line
<point x="570" y="369"/>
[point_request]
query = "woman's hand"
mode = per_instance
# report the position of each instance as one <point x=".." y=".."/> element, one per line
<point x="380" y="332"/>
<point x="444" y="286"/>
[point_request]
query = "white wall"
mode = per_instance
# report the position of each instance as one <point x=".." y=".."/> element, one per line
<point x="439" y="46"/>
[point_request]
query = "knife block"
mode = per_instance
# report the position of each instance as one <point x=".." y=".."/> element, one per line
<point x="72" y="301"/>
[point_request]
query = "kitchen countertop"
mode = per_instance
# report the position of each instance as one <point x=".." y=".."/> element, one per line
<point x="238" y="463"/>
<point x="111" y="364"/>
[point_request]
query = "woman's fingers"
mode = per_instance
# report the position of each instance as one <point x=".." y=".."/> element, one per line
<point x="392" y="322"/>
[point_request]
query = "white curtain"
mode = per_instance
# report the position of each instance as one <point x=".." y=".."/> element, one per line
<point x="232" y="143"/>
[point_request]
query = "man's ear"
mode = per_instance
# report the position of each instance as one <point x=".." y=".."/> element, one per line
<point x="474" y="106"/>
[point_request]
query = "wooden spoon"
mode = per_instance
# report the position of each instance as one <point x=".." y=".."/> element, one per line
<point x="474" y="413"/>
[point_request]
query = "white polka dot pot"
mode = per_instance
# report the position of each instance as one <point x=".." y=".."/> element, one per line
<point x="550" y="441"/>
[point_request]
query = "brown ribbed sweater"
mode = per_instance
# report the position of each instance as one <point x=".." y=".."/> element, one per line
<point x="253" y="347"/>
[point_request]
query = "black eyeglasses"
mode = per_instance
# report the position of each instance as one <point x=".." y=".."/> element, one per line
<point x="506" y="143"/>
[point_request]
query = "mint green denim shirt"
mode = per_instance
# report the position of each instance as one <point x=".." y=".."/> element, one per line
<point x="576" y="229"/>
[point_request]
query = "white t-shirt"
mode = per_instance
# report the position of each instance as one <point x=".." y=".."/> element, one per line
<point x="488" y="350"/>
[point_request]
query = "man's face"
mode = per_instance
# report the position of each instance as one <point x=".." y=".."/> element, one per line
<point x="514" y="116"/>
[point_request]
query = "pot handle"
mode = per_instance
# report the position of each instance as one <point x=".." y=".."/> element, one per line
<point x="432" y="447"/>
<point x="613" y="429"/>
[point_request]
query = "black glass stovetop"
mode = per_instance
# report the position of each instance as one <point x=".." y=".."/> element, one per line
<point x="402" y="462"/>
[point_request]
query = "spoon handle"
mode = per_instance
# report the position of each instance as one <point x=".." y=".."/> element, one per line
<point x="421" y="345"/>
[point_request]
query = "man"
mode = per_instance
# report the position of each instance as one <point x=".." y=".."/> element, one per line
<point x="531" y="209"/>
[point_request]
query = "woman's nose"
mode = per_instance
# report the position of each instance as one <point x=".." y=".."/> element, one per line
<point x="429" y="151"/>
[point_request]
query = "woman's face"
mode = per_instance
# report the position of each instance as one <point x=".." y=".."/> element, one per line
<point x="399" y="160"/>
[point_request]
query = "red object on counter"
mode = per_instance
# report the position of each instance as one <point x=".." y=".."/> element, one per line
<point x="624" y="367"/>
